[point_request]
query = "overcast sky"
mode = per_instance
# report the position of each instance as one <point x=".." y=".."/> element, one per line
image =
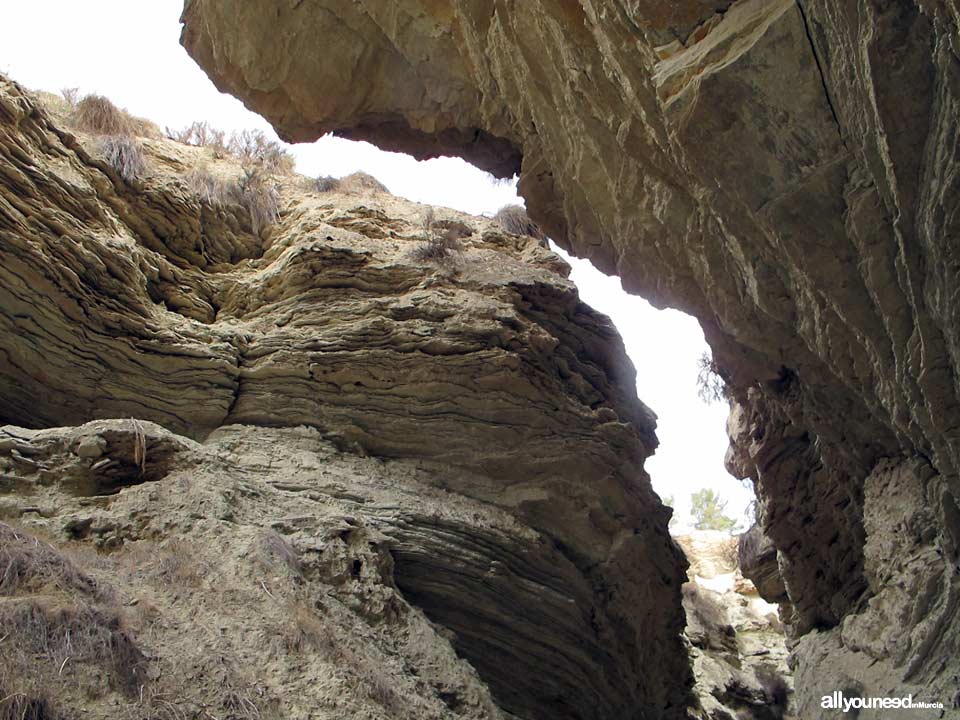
<point x="130" y="52"/>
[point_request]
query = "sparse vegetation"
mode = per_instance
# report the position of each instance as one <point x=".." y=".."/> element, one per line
<point x="514" y="219"/>
<point x="251" y="147"/>
<point x="260" y="197"/>
<point x="201" y="134"/>
<point x="326" y="183"/>
<point x="21" y="705"/>
<point x="438" y="245"/>
<point x="670" y="503"/>
<point x="711" y="386"/>
<point x="124" y="154"/>
<point x="207" y="187"/>
<point x="28" y="564"/>
<point x="306" y="631"/>
<point x="70" y="97"/>
<point x="707" y="509"/>
<point x="57" y="623"/>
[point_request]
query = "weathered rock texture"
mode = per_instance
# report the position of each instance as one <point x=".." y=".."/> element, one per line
<point x="507" y="502"/>
<point x="785" y="170"/>
<point x="736" y="639"/>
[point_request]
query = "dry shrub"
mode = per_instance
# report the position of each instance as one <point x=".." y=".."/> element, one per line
<point x="326" y="183"/>
<point x="123" y="153"/>
<point x="438" y="245"/>
<point x="207" y="187"/>
<point x="252" y="147"/>
<point x="260" y="197"/>
<point x="71" y="97"/>
<point x="361" y="182"/>
<point x="514" y="219"/>
<point x="201" y="134"/>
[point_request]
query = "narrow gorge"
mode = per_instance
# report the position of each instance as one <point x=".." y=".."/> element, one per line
<point x="785" y="171"/>
<point x="274" y="447"/>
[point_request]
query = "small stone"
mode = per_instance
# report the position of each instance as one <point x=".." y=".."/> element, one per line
<point x="92" y="446"/>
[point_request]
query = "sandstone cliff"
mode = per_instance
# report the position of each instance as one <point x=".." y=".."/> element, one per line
<point x="303" y="469"/>
<point x="785" y="170"/>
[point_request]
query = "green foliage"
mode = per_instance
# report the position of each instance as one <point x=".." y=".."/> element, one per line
<point x="669" y="502"/>
<point x="707" y="509"/>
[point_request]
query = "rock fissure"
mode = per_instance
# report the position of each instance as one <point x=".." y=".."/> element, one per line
<point x="823" y="77"/>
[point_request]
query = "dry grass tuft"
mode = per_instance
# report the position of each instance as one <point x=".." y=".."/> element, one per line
<point x="514" y="219"/>
<point x="48" y="632"/>
<point x="98" y="115"/>
<point x="29" y="565"/>
<point x="123" y="153"/>
<point x="260" y="197"/>
<point x="306" y="632"/>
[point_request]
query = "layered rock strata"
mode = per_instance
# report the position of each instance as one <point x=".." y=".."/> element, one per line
<point x="458" y="435"/>
<point x="784" y="170"/>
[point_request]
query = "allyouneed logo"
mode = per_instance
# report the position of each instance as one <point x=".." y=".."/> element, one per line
<point x="837" y="701"/>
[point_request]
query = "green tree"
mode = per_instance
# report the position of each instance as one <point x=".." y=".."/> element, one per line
<point x="668" y="501"/>
<point x="707" y="510"/>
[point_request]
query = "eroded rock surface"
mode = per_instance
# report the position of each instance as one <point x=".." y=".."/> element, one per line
<point x="450" y="449"/>
<point x="736" y="639"/>
<point x="785" y="170"/>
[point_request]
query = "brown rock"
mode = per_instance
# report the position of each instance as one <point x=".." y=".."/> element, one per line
<point x="306" y="355"/>
<point x="784" y="170"/>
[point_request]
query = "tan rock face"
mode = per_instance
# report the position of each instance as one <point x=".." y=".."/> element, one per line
<point x="295" y="353"/>
<point x="786" y="171"/>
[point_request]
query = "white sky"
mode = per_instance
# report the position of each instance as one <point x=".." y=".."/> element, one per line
<point x="130" y="52"/>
